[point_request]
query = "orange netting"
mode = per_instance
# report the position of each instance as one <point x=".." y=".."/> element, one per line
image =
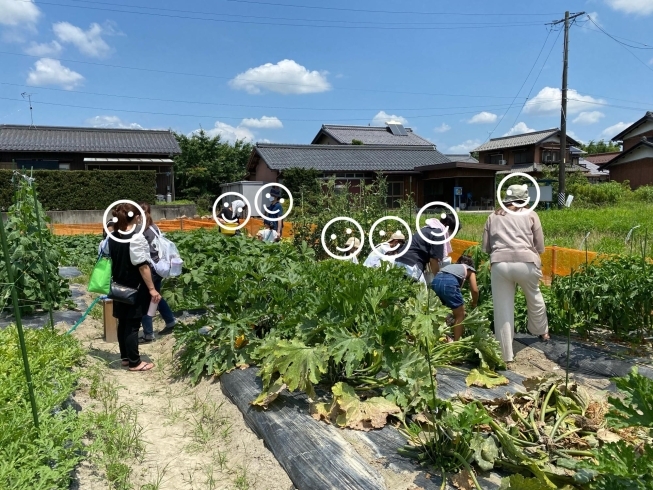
<point x="555" y="260"/>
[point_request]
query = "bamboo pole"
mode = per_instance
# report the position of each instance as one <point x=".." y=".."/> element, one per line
<point x="19" y="324"/>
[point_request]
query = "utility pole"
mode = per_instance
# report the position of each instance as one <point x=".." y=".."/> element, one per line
<point x="563" y="112"/>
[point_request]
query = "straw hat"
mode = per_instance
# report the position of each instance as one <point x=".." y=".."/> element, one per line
<point x="398" y="236"/>
<point x="355" y="241"/>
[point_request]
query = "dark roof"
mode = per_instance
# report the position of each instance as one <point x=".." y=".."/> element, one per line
<point x="647" y="117"/>
<point x="645" y="143"/>
<point x="335" y="158"/>
<point x="371" y="135"/>
<point x="601" y="158"/>
<point x="522" y="140"/>
<point x="593" y="168"/>
<point x="538" y="167"/>
<point x="87" y="140"/>
<point x="463" y="158"/>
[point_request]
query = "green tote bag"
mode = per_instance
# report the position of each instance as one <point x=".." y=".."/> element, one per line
<point x="101" y="277"/>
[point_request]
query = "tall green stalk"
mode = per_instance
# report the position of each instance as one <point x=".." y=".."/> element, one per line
<point x="19" y="324"/>
<point x="44" y="263"/>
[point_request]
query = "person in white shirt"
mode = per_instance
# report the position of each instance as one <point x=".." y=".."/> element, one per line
<point x="387" y="249"/>
<point x="355" y="249"/>
<point x="268" y="235"/>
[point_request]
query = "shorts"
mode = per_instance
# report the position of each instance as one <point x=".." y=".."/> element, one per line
<point x="447" y="287"/>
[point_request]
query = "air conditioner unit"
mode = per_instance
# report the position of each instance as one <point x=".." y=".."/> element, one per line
<point x="502" y="162"/>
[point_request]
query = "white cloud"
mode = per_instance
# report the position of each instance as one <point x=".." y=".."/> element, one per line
<point x="47" y="71"/>
<point x="591" y="117"/>
<point x="442" y="128"/>
<point x="519" y="128"/>
<point x="285" y="77"/>
<point x="465" y="147"/>
<point x="88" y="42"/>
<point x="383" y="117"/>
<point x="571" y="134"/>
<point x="111" y="122"/>
<point x="44" y="49"/>
<point x="548" y="101"/>
<point x="230" y="133"/>
<point x="614" y="130"/>
<point x="15" y="13"/>
<point x="483" y="118"/>
<point x="643" y="7"/>
<point x="267" y="122"/>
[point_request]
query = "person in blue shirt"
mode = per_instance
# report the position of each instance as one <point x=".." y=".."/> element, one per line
<point x="274" y="210"/>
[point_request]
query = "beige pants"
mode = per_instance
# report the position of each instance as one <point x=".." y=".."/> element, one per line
<point x="505" y="276"/>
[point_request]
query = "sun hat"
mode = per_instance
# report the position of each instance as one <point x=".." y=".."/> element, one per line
<point x="516" y="193"/>
<point x="236" y="205"/>
<point x="397" y="235"/>
<point x="355" y="241"/>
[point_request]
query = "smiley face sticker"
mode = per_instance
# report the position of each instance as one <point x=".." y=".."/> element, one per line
<point x="383" y="236"/>
<point x="219" y="215"/>
<point x="350" y="248"/>
<point x="438" y="237"/>
<point x="518" y="174"/>
<point x="131" y="229"/>
<point x="271" y="194"/>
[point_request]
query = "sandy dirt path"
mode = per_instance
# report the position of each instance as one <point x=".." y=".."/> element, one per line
<point x="194" y="437"/>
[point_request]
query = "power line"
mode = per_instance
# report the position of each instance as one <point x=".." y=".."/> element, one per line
<point x="153" y="70"/>
<point x="275" y="4"/>
<point x="522" y="85"/>
<point x="205" y="116"/>
<point x="536" y="79"/>
<point x="623" y="45"/>
<point x="248" y="16"/>
<point x="203" y="102"/>
<point x="284" y="24"/>
<point x="616" y="39"/>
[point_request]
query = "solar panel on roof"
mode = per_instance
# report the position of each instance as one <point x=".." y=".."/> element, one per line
<point x="397" y="130"/>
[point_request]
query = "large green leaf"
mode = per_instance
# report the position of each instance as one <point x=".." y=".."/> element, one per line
<point x="636" y="408"/>
<point x="348" y="348"/>
<point x="300" y="366"/>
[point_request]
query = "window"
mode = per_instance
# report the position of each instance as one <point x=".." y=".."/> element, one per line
<point x="395" y="194"/>
<point x="550" y="156"/>
<point x="522" y="156"/>
<point x="496" y="158"/>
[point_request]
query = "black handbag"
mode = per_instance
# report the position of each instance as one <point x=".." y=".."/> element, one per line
<point x="123" y="294"/>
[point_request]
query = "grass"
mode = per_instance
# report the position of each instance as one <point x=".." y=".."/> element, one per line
<point x="43" y="460"/>
<point x="608" y="227"/>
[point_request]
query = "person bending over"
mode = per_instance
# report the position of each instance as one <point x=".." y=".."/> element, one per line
<point x="448" y="284"/>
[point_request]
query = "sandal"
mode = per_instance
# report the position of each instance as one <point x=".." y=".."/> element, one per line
<point x="145" y="366"/>
<point x="544" y="337"/>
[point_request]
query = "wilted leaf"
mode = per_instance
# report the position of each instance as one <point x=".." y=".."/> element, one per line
<point x="265" y="398"/>
<point x="485" y="378"/>
<point x="324" y="411"/>
<point x="604" y="435"/>
<point x="518" y="482"/>
<point x="361" y="415"/>
<point x="463" y="481"/>
<point x="485" y="451"/>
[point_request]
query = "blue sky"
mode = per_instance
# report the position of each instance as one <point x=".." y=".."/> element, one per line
<point x="275" y="70"/>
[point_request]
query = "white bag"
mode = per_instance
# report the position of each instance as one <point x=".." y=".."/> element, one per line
<point x="170" y="263"/>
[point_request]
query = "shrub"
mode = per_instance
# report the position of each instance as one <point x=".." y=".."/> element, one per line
<point x="25" y="250"/>
<point x="60" y="190"/>
<point x="599" y="194"/>
<point x="644" y="194"/>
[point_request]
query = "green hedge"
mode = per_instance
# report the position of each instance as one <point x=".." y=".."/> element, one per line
<point x="63" y="190"/>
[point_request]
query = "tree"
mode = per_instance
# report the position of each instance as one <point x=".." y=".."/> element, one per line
<point x="356" y="142"/>
<point x="207" y="162"/>
<point x="601" y="146"/>
<point x="302" y="180"/>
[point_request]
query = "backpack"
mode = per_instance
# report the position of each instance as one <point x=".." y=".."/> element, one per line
<point x="169" y="264"/>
